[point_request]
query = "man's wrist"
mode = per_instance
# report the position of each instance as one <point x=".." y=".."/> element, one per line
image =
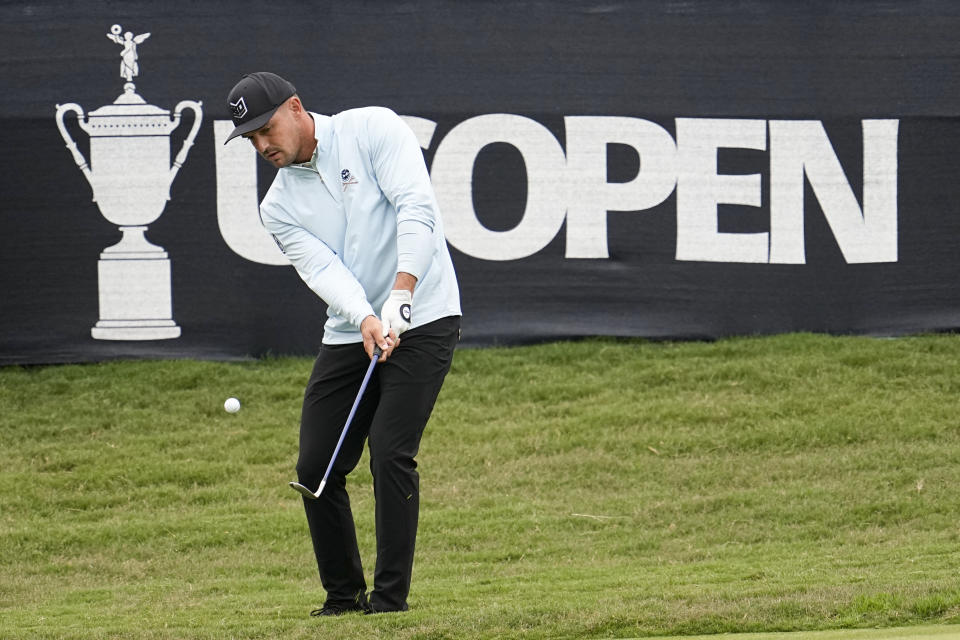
<point x="406" y="281"/>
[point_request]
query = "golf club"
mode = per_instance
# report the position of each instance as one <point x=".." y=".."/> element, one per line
<point x="377" y="352"/>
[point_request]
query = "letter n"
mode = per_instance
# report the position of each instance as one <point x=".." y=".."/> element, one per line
<point x="801" y="148"/>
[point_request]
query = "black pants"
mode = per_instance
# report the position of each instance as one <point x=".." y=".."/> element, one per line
<point x="392" y="415"/>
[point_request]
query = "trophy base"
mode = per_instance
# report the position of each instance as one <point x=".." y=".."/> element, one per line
<point x="135" y="298"/>
<point x="135" y="330"/>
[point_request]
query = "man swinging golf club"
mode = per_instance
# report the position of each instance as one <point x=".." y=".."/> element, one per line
<point x="353" y="210"/>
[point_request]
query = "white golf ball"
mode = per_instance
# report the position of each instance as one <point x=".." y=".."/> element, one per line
<point x="232" y="405"/>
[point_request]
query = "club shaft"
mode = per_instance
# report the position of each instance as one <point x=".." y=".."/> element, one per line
<point x="353" y="410"/>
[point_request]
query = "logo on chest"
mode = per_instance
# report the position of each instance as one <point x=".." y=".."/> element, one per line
<point x="347" y="179"/>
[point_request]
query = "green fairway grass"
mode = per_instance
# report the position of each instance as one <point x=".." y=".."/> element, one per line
<point x="926" y="632"/>
<point x="593" y="489"/>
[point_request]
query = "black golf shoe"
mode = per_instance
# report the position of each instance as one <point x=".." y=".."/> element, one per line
<point x="372" y="610"/>
<point x="358" y="605"/>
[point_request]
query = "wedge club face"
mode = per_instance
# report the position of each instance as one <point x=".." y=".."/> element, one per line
<point x="306" y="492"/>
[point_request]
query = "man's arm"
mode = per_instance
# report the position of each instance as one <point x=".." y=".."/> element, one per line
<point x="402" y="175"/>
<point x="321" y="269"/>
<point x="403" y="178"/>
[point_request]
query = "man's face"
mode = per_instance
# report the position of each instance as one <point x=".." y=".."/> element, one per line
<point x="278" y="142"/>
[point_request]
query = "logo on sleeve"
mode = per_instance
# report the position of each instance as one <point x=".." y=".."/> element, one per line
<point x="347" y="178"/>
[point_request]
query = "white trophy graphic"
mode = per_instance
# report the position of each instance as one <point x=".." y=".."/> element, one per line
<point x="130" y="175"/>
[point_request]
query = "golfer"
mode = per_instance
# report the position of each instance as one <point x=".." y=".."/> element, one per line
<point x="353" y="210"/>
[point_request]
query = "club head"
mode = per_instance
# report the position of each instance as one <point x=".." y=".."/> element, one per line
<point x="306" y="492"/>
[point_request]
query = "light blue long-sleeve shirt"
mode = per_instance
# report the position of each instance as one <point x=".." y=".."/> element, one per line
<point x="360" y="211"/>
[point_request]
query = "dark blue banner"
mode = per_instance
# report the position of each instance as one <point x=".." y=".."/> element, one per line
<point x="690" y="170"/>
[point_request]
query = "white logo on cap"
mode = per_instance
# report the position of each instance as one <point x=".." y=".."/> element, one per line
<point x="239" y="108"/>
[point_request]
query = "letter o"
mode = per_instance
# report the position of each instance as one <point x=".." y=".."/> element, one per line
<point x="452" y="176"/>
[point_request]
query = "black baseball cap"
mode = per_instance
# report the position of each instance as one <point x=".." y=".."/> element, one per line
<point x="255" y="99"/>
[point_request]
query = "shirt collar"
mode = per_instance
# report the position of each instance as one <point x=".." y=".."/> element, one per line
<point x="323" y="132"/>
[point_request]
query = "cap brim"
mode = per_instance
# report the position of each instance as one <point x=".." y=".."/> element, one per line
<point x="252" y="125"/>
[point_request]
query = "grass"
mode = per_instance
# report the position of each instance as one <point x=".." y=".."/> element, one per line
<point x="593" y="489"/>
<point x="926" y="632"/>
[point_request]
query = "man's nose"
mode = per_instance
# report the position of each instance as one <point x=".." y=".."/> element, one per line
<point x="258" y="143"/>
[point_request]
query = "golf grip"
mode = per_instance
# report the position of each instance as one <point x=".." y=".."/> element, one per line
<point x="377" y="352"/>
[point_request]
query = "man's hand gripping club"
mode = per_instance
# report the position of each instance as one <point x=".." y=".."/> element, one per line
<point x="395" y="318"/>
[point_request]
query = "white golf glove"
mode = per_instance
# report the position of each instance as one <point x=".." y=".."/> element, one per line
<point x="395" y="313"/>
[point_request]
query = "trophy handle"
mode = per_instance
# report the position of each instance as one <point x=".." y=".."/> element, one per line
<point x="196" y="107"/>
<point x="62" y="110"/>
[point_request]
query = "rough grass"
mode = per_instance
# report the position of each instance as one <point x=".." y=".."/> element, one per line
<point x="586" y="489"/>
